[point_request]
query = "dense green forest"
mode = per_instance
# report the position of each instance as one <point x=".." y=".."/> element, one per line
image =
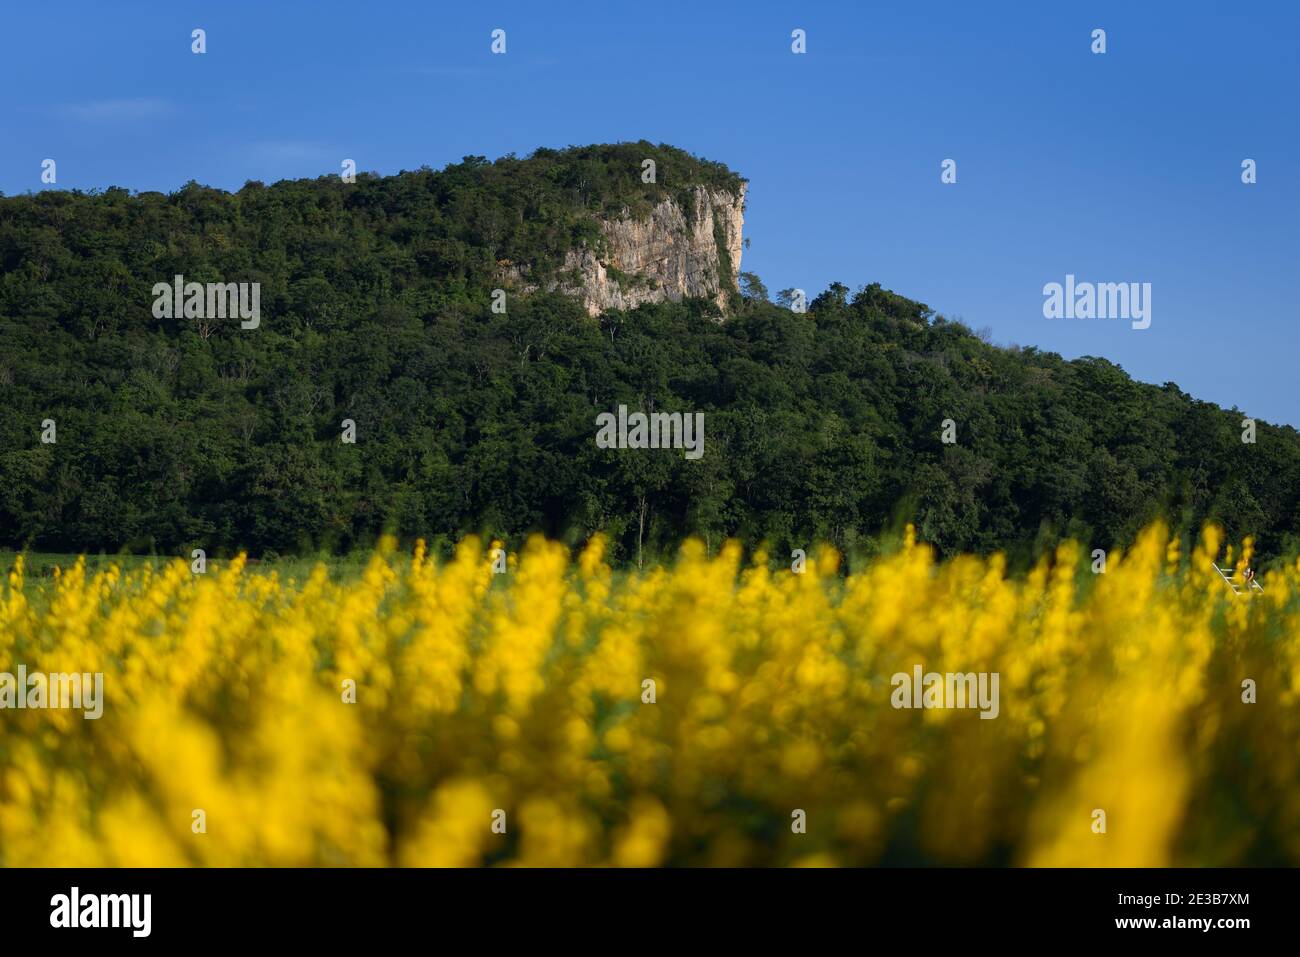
<point x="376" y="308"/>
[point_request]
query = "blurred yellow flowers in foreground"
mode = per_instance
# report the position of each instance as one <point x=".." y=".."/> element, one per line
<point x="707" y="713"/>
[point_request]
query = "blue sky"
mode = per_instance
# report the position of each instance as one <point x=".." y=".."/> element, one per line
<point x="1117" y="167"/>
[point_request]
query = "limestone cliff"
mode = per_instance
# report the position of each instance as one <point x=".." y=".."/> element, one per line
<point x="683" y="248"/>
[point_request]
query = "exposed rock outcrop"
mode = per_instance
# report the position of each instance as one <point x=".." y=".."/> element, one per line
<point x="674" y="253"/>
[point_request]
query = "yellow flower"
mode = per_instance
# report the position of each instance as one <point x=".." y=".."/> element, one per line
<point x="423" y="711"/>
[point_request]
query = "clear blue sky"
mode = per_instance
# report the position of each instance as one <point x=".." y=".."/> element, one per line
<point x="1118" y="167"/>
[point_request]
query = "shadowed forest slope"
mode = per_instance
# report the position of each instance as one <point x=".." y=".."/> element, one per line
<point x="376" y="307"/>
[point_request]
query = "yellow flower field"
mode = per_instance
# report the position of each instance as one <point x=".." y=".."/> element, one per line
<point x="707" y="713"/>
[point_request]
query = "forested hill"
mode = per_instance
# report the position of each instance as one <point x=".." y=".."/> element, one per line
<point x="376" y="307"/>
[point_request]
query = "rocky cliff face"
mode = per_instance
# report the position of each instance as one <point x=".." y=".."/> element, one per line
<point x="679" y="251"/>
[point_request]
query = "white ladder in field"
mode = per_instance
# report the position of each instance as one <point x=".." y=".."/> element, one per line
<point x="1227" y="574"/>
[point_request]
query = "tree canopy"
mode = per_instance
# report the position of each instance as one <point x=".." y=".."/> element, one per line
<point x="376" y="297"/>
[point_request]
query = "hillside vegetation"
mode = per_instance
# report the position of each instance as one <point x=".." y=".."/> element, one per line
<point x="376" y="298"/>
